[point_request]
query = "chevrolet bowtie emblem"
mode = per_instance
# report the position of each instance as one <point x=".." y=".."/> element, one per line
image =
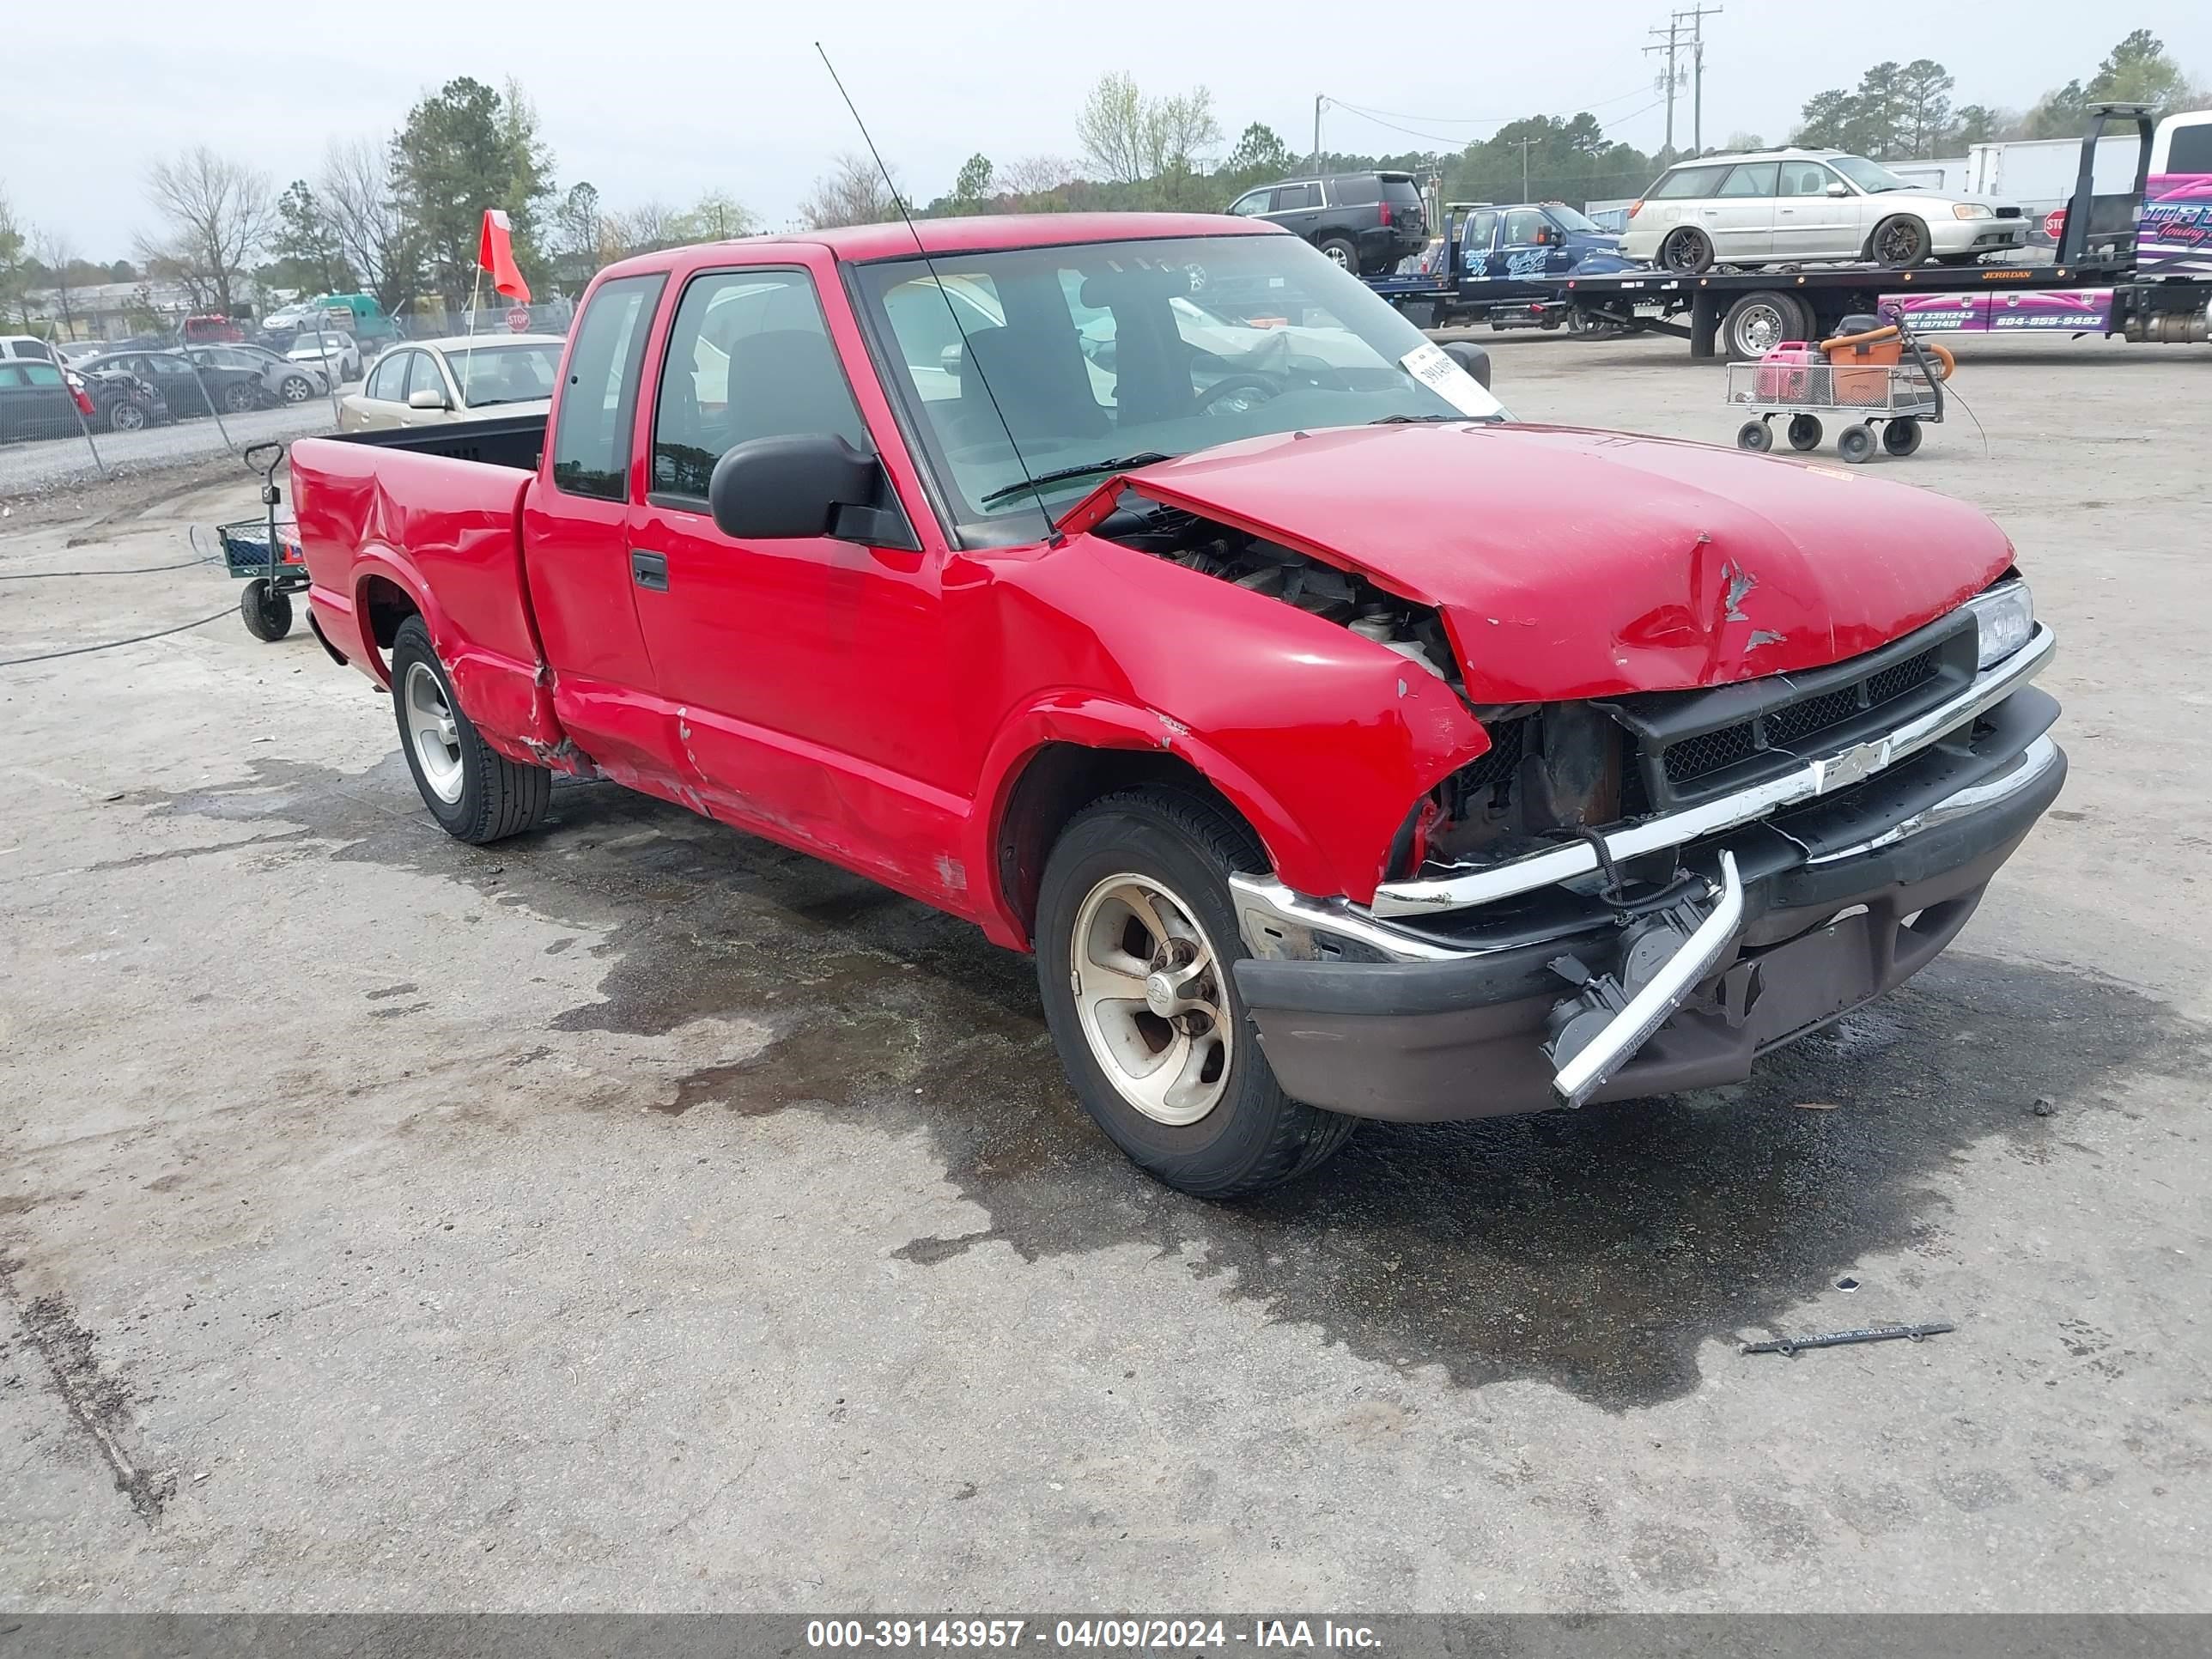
<point x="1841" y="771"/>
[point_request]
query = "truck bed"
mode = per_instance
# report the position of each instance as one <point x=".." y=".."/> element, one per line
<point x="511" y="440"/>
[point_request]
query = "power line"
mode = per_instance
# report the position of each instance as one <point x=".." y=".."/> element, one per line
<point x="1488" y="120"/>
<point x="1460" y="140"/>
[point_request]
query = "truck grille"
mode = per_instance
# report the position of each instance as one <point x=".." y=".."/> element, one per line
<point x="1689" y="746"/>
<point x="1796" y="725"/>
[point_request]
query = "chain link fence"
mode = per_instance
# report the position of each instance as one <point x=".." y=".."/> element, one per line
<point x="76" y="410"/>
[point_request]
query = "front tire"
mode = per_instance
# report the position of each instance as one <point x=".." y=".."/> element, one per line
<point x="1756" y="436"/>
<point x="1901" y="436"/>
<point x="1136" y="947"/>
<point x="296" y="389"/>
<point x="1804" y="432"/>
<point x="1899" y="241"/>
<point x="476" y="793"/>
<point x="1855" y="445"/>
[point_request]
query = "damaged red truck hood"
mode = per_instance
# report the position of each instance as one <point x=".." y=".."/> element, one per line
<point x="1574" y="563"/>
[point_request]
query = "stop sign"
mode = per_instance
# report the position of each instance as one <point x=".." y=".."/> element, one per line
<point x="2054" y="222"/>
<point x="517" y="319"/>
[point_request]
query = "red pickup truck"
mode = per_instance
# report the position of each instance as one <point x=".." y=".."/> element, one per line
<point x="1145" y="591"/>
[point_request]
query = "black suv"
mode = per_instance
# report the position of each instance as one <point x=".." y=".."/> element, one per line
<point x="1365" y="221"/>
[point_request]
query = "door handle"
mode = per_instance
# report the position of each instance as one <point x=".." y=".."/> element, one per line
<point x="649" y="570"/>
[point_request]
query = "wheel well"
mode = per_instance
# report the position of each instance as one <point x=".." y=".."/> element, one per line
<point x="1060" y="781"/>
<point x="386" y="604"/>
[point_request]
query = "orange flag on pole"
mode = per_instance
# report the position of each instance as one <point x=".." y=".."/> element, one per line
<point x="496" y="254"/>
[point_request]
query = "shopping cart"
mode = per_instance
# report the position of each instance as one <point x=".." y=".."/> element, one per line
<point x="266" y="551"/>
<point x="1879" y="376"/>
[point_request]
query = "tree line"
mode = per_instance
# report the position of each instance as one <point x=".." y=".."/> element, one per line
<point x="1903" y="111"/>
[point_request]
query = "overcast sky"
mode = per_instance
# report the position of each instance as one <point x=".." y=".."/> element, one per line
<point x="660" y="98"/>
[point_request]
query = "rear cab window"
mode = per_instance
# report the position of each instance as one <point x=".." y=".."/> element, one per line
<point x="592" y="429"/>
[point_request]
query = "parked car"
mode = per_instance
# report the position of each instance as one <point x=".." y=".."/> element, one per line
<point x="281" y="380"/>
<point x="186" y="386"/>
<point x="429" y="382"/>
<point x="1365" y="221"/>
<point x="1340" y="748"/>
<point x="122" y="402"/>
<point x="1768" y="207"/>
<point x="328" y="349"/>
<point x="28" y="348"/>
<point x="37" y="401"/>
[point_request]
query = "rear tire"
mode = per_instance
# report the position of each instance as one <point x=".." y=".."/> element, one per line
<point x="1212" y="1133"/>
<point x="1759" y="322"/>
<point x="237" y="399"/>
<point x="1756" y="436"/>
<point x="1855" y="444"/>
<point x="1342" y="249"/>
<point x="125" y="415"/>
<point x="1804" y="432"/>
<point x="1901" y="436"/>
<point x="1686" y="249"/>
<point x="476" y="793"/>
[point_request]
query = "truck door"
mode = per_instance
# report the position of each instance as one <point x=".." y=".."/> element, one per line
<point x="1478" y="244"/>
<point x="575" y="543"/>
<point x="807" y="676"/>
<point x="1530" y="243"/>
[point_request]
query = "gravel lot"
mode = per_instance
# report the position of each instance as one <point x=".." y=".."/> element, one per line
<point x="635" y="1215"/>
<point x="61" y="464"/>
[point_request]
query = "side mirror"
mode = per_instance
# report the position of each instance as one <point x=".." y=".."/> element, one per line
<point x="1472" y="358"/>
<point x="804" y="485"/>
<point x="1836" y="187"/>
<point x="427" y="397"/>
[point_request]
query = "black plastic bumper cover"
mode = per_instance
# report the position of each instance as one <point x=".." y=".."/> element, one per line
<point x="1432" y="1041"/>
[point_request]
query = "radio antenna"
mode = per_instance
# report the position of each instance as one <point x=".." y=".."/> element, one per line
<point x="1052" y="536"/>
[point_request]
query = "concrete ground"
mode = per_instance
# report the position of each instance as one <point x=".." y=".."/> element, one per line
<point x="635" y="1215"/>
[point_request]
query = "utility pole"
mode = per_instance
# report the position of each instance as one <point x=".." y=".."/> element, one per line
<point x="1522" y="145"/>
<point x="1670" y="45"/>
<point x="1698" y="73"/>
<point x="1318" y="102"/>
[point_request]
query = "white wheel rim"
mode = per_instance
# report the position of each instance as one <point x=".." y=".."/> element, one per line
<point x="1338" y="255"/>
<point x="1150" y="997"/>
<point x="432" y="730"/>
<point x="1759" y="329"/>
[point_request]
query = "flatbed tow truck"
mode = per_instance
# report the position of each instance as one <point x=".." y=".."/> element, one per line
<point x="2139" y="265"/>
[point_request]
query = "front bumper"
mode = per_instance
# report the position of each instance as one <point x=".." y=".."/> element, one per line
<point x="1843" y="898"/>
<point x="1974" y="235"/>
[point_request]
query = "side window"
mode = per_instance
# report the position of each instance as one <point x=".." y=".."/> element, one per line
<point x="422" y="375"/>
<point x="1292" y="197"/>
<point x="1804" y="178"/>
<point x="1251" y="203"/>
<point x="2189" y="148"/>
<point x="34" y="349"/>
<point x="385" y="381"/>
<point x="1481" y="229"/>
<point x="41" y="375"/>
<point x="1521" y="225"/>
<point x="1753" y="178"/>
<point x="14" y="374"/>
<point x="749" y="357"/>
<point x="1687" y="184"/>
<point x="591" y="439"/>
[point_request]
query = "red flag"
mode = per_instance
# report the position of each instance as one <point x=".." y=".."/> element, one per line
<point x="496" y="254"/>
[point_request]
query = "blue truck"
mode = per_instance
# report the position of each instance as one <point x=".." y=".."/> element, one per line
<point x="1492" y="262"/>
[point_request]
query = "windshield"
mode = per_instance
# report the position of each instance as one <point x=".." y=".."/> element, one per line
<point x="505" y="374"/>
<point x="1567" y="219"/>
<point x="1098" y="351"/>
<point x="1865" y="174"/>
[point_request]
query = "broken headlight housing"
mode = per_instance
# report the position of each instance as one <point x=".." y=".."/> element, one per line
<point x="2005" y="616"/>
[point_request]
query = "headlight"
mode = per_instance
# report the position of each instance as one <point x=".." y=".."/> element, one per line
<point x="1970" y="210"/>
<point x="2006" y="617"/>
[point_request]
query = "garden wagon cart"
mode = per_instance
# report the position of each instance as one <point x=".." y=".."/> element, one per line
<point x="1878" y="375"/>
<point x="266" y="551"/>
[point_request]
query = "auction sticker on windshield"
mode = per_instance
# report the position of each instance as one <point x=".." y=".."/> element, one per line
<point x="1431" y="365"/>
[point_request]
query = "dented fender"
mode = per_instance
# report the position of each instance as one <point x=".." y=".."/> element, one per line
<point x="1322" y="739"/>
